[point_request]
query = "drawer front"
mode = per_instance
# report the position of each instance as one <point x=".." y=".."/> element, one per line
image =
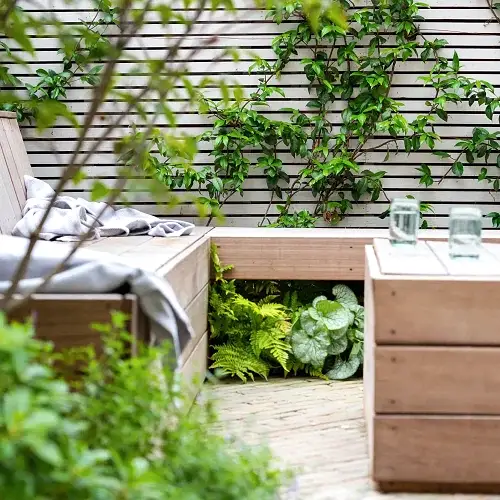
<point x="436" y="312"/>
<point x="456" y="380"/>
<point x="436" y="449"/>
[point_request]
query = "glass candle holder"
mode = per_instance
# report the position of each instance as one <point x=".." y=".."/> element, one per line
<point x="404" y="221"/>
<point x="465" y="232"/>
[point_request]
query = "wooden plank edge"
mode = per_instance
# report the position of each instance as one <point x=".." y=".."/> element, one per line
<point x="194" y="368"/>
<point x="196" y="255"/>
<point x="197" y="305"/>
<point x="422" y="487"/>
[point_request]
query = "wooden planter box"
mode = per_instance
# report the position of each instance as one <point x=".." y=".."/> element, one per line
<point x="432" y="369"/>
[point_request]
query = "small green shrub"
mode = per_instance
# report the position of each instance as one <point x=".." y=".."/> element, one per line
<point x="331" y="329"/>
<point x="252" y="337"/>
<point x="124" y="433"/>
<point x="253" y="333"/>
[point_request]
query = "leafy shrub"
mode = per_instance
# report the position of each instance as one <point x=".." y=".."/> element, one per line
<point x="124" y="434"/>
<point x="254" y="334"/>
<point x="331" y="328"/>
<point x="43" y="453"/>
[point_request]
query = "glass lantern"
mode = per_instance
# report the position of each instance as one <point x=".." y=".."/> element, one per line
<point x="465" y="232"/>
<point x="404" y="221"/>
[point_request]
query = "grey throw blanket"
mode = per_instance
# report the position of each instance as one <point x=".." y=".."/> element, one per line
<point x="70" y="218"/>
<point x="97" y="272"/>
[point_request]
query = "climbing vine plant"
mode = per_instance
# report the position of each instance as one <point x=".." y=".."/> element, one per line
<point x="350" y="114"/>
<point x="80" y="53"/>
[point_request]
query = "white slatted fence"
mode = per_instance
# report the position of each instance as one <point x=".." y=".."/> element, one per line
<point x="466" y="24"/>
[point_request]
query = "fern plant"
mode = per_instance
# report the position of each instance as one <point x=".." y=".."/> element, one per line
<point x="252" y="335"/>
<point x="249" y="337"/>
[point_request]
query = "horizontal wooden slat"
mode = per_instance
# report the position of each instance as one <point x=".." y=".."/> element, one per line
<point x="308" y="254"/>
<point x="466" y="24"/>
<point x="456" y="311"/>
<point x="437" y="380"/>
<point x="77" y="5"/>
<point x="439" y="450"/>
<point x="66" y="320"/>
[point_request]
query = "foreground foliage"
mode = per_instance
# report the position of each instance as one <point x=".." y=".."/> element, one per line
<point x="258" y="328"/>
<point x="124" y="433"/>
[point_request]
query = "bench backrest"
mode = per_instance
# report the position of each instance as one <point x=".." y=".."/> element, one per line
<point x="14" y="164"/>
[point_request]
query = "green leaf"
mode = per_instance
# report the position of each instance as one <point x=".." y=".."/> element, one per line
<point x="99" y="191"/>
<point x="344" y="295"/>
<point x="46" y="451"/>
<point x="16" y="406"/>
<point x="456" y="62"/>
<point x="458" y="169"/>
<point x="344" y="369"/>
<point x="314" y="104"/>
<point x="309" y="345"/>
<point x="40" y="421"/>
<point x="338" y="345"/>
<point x="319" y="299"/>
<point x="334" y="316"/>
<point x="442" y="114"/>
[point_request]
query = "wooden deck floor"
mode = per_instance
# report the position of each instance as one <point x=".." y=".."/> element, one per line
<point x="315" y="427"/>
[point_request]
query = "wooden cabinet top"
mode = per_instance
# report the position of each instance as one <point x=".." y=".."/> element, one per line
<point x="430" y="259"/>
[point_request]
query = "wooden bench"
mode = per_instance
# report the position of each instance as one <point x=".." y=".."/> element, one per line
<point x="432" y="377"/>
<point x="66" y="319"/>
<point x="304" y="254"/>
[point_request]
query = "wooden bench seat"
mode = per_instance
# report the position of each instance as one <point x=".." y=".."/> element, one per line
<point x="184" y="262"/>
<point x="304" y="254"/>
<point x="66" y="319"/>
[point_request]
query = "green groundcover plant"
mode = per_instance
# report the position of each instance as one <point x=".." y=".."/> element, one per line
<point x="119" y="431"/>
<point x="262" y="328"/>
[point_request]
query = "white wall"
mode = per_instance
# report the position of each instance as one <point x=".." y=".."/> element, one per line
<point x="464" y="23"/>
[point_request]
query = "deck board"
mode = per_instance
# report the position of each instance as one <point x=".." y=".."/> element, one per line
<point x="315" y="427"/>
<point x="145" y="251"/>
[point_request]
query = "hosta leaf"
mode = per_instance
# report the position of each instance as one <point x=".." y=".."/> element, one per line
<point x="310" y="347"/>
<point x="334" y="315"/>
<point x="338" y="346"/>
<point x="322" y="297"/>
<point x="359" y="316"/>
<point x="306" y="322"/>
<point x="344" y="295"/>
<point x="343" y="369"/>
<point x="336" y="334"/>
<point x="313" y="313"/>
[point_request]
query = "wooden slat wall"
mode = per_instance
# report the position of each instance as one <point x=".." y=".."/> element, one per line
<point x="466" y="24"/>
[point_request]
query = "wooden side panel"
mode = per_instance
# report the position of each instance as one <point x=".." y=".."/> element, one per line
<point x="437" y="380"/>
<point x="368" y="362"/>
<point x="197" y="312"/>
<point x="18" y="149"/>
<point x="188" y="272"/>
<point x="65" y="319"/>
<point x="10" y="212"/>
<point x="300" y="258"/>
<point x="194" y="367"/>
<point x="13" y="151"/>
<point x="454" y="312"/>
<point x="436" y="449"/>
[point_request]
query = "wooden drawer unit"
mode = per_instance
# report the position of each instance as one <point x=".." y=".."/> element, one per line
<point x="432" y="368"/>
